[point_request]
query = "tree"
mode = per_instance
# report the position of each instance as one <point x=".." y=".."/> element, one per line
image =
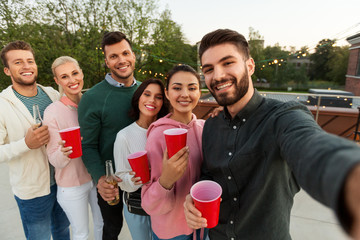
<point x="274" y="59"/>
<point x="136" y="18"/>
<point x="256" y="44"/>
<point x="320" y="58"/>
<point x="75" y="28"/>
<point x="337" y="64"/>
<point x="289" y="74"/>
<point x="167" y="47"/>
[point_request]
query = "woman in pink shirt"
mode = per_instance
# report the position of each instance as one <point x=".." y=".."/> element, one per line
<point x="171" y="179"/>
<point x="75" y="187"/>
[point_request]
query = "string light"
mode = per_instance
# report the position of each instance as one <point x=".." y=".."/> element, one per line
<point x="297" y="54"/>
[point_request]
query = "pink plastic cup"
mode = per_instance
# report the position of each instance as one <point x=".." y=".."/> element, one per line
<point x="72" y="138"/>
<point x="140" y="165"/>
<point x="175" y="140"/>
<point x="206" y="196"/>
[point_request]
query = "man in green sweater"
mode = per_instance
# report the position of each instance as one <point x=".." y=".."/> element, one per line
<point x="103" y="112"/>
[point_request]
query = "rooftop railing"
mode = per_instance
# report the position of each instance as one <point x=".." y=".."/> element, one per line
<point x="342" y="121"/>
<point x="332" y="100"/>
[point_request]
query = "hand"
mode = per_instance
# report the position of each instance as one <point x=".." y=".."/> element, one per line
<point x="107" y="191"/>
<point x="174" y="168"/>
<point x="352" y="200"/>
<point x="192" y="215"/>
<point x="65" y="150"/>
<point x="35" y="138"/>
<point x="135" y="180"/>
<point x="216" y="111"/>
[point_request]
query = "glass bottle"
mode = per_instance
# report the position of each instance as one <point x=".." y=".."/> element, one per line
<point x="37" y="117"/>
<point x="110" y="178"/>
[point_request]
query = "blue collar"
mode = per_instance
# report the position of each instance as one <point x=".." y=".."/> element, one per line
<point x="115" y="83"/>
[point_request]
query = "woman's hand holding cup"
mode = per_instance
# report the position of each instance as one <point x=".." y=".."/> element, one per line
<point x="174" y="168"/>
<point x="135" y="180"/>
<point x="65" y="150"/>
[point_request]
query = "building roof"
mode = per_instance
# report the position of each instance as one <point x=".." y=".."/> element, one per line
<point x="354" y="39"/>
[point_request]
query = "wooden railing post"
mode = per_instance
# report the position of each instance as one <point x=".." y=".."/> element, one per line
<point x="317" y="109"/>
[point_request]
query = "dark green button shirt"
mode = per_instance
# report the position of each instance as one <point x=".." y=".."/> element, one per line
<point x="261" y="157"/>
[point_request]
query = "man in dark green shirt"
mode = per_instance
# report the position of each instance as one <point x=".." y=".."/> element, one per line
<point x="260" y="150"/>
<point x="103" y="112"/>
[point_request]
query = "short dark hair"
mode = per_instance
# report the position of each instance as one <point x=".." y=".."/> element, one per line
<point x="134" y="112"/>
<point x="16" y="45"/>
<point x="181" y="68"/>
<point x="111" y="38"/>
<point x="224" y="36"/>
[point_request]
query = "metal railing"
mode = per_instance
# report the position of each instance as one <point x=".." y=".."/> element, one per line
<point x="304" y="98"/>
<point x="355" y="103"/>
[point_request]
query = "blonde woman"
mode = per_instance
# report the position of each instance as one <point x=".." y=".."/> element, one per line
<point x="75" y="187"/>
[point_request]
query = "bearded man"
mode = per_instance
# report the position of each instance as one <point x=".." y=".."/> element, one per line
<point x="261" y="151"/>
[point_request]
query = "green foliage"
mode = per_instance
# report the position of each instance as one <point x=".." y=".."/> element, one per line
<point x="75" y="28"/>
<point x="256" y="45"/>
<point x="329" y="62"/>
<point x="320" y="58"/>
<point x="337" y="64"/>
<point x="62" y="27"/>
<point x="167" y="48"/>
<point x="289" y="73"/>
<point x="270" y="68"/>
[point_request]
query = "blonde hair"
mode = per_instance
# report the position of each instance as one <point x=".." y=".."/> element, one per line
<point x="60" y="61"/>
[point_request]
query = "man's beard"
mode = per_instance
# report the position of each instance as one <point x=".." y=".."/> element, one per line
<point x="19" y="81"/>
<point x="241" y="88"/>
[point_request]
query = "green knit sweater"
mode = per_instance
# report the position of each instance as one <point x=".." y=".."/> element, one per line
<point x="103" y="112"/>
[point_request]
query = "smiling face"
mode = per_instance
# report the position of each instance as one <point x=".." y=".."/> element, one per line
<point x="70" y="77"/>
<point x="22" y="68"/>
<point x="183" y="93"/>
<point x="151" y="101"/>
<point x="120" y="59"/>
<point x="227" y="73"/>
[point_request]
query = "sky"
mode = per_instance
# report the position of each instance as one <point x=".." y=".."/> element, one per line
<point x="286" y="22"/>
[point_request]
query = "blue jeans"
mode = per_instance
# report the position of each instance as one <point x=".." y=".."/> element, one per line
<point x="139" y="226"/>
<point x="186" y="237"/>
<point x="42" y="217"/>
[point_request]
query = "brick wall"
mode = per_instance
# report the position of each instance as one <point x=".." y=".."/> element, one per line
<point x="353" y="84"/>
<point x="353" y="61"/>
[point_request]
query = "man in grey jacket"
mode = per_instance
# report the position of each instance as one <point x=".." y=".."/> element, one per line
<point x="22" y="146"/>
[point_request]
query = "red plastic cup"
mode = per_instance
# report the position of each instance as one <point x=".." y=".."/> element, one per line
<point x="175" y="140"/>
<point x="140" y="165"/>
<point x="72" y="138"/>
<point x="206" y="196"/>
